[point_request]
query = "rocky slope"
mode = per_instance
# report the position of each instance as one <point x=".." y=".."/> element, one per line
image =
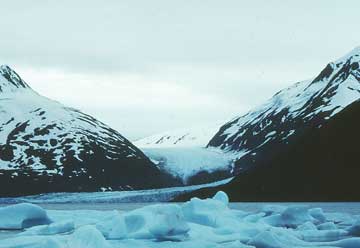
<point x="47" y="147"/>
<point x="302" y="144"/>
<point x="320" y="165"/>
<point x="308" y="104"/>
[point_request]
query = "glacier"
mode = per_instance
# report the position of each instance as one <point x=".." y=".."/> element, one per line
<point x="183" y="154"/>
<point x="126" y="196"/>
<point x="186" y="162"/>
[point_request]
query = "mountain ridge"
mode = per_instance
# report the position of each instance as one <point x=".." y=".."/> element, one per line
<point x="304" y="104"/>
<point x="321" y="165"/>
<point x="301" y="144"/>
<point x="51" y="147"/>
<point x="12" y="79"/>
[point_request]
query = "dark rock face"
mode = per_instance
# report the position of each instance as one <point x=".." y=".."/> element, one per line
<point x="47" y="147"/>
<point x="320" y="165"/>
<point x="13" y="80"/>
<point x="309" y="104"/>
<point x="301" y="144"/>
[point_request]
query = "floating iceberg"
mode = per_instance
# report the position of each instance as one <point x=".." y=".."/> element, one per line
<point x="22" y="216"/>
<point x="208" y="223"/>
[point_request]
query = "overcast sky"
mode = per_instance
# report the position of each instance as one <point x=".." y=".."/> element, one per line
<point x="148" y="66"/>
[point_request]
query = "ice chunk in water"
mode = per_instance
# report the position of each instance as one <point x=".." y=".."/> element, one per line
<point x="114" y="227"/>
<point x="318" y="214"/>
<point x="22" y="215"/>
<point x="222" y="197"/>
<point x="292" y="216"/>
<point x="266" y="239"/>
<point x="87" y="237"/>
<point x="354" y="230"/>
<point x="306" y="226"/>
<point x="327" y="226"/>
<point x="169" y="223"/>
<point x="197" y="223"/>
<point x="163" y="222"/>
<point x="204" y="212"/>
<point x="32" y="242"/>
<point x="53" y="228"/>
<point x="273" y="209"/>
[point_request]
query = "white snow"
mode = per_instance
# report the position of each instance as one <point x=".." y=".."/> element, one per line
<point x="294" y="103"/>
<point x="198" y="136"/>
<point x="182" y="152"/>
<point x="343" y="97"/>
<point x="272" y="133"/>
<point x="354" y="52"/>
<point x="24" y="105"/>
<point x="194" y="224"/>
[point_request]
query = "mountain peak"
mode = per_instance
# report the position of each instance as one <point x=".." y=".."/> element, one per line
<point x="354" y="53"/>
<point x="341" y="68"/>
<point x="305" y="105"/>
<point x="10" y="80"/>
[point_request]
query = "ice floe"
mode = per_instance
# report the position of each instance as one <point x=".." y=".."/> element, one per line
<point x="208" y="223"/>
<point x="22" y="216"/>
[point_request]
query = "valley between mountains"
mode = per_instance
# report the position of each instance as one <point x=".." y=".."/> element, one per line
<point x="278" y="151"/>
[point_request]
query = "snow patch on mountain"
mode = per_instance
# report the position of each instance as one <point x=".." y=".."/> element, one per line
<point x="41" y="123"/>
<point x="10" y="81"/>
<point x="191" y="137"/>
<point x="48" y="146"/>
<point x="304" y="104"/>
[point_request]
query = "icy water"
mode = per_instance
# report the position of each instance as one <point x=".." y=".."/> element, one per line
<point x="343" y="207"/>
<point x="352" y="208"/>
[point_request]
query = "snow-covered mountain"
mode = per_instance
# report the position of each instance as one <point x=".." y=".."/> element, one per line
<point x="187" y="137"/>
<point x="45" y="147"/>
<point x="307" y="104"/>
<point x="301" y="145"/>
<point x="320" y="165"/>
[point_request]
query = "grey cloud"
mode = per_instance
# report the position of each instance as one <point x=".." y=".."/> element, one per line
<point x="239" y="53"/>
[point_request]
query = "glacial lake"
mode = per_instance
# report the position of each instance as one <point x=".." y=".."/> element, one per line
<point x="352" y="208"/>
